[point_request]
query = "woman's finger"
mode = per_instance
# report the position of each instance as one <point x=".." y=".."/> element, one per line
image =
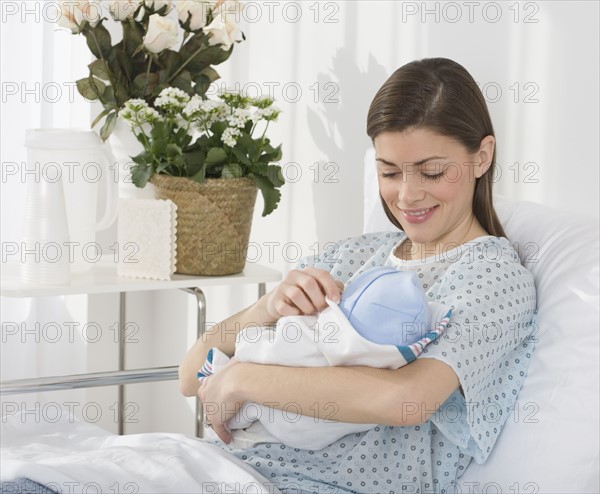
<point x="222" y="431"/>
<point x="319" y="284"/>
<point x="295" y="295"/>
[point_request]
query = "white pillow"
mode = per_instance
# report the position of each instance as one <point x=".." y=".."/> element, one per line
<point x="550" y="444"/>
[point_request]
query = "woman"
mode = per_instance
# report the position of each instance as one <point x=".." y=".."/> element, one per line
<point x="435" y="152"/>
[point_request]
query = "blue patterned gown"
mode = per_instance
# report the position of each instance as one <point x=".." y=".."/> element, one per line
<point x="488" y="343"/>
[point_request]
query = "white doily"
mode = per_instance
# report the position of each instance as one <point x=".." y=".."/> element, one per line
<point x="147" y="235"/>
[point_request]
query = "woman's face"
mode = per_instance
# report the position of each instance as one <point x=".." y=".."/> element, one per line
<point x="427" y="181"/>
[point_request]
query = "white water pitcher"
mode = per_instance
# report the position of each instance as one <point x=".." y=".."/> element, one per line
<point x="84" y="165"/>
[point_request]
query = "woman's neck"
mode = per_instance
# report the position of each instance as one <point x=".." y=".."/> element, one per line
<point x="409" y="250"/>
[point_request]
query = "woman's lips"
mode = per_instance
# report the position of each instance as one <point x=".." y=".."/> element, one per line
<point x="418" y="215"/>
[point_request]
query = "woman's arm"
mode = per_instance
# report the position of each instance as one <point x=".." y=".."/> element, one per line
<point x="402" y="397"/>
<point x="301" y="292"/>
<point x="220" y="335"/>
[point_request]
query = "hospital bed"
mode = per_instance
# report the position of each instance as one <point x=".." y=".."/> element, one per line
<point x="548" y="445"/>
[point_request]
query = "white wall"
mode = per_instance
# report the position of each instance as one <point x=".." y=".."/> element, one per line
<point x="536" y="61"/>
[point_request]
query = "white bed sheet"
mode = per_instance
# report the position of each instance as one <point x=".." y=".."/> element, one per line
<point x="74" y="456"/>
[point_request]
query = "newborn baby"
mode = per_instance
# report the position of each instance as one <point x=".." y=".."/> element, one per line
<point x="383" y="320"/>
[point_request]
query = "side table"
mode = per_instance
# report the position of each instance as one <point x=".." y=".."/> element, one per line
<point x="102" y="278"/>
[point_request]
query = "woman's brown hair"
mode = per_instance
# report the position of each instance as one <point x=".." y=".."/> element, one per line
<point x="440" y="95"/>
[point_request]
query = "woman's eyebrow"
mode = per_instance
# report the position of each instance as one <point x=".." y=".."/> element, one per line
<point x="416" y="163"/>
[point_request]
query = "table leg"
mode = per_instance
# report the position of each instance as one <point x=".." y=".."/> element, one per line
<point x="121" y="388"/>
<point x="200" y="328"/>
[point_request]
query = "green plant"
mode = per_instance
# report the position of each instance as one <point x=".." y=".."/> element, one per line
<point x="202" y="138"/>
<point x="164" y="43"/>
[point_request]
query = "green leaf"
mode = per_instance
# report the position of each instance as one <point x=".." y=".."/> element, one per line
<point x="108" y="98"/>
<point x="162" y="167"/>
<point x="171" y="61"/>
<point x="241" y="155"/>
<point x="271" y="195"/>
<point x="143" y="158"/>
<point x="98" y="41"/>
<point x="99" y="117"/>
<point x="133" y="36"/>
<point x="122" y="67"/>
<point x="210" y="73"/>
<point x="86" y="89"/>
<point x="109" y="126"/>
<point x="138" y="50"/>
<point x="276" y="176"/>
<point x="193" y="44"/>
<point x="100" y="69"/>
<point x="201" y="58"/>
<point x="194" y="162"/>
<point x="173" y="150"/>
<point x="270" y="157"/>
<point x="204" y="79"/>
<point x="201" y="85"/>
<point x="98" y="85"/>
<point x="200" y="175"/>
<point x="183" y="81"/>
<point x="145" y="84"/>
<point x="216" y="156"/>
<point x="140" y="174"/>
<point x="232" y="170"/>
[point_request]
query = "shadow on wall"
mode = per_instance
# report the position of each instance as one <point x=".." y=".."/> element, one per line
<point x="338" y="127"/>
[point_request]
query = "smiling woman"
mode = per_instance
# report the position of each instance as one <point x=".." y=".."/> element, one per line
<point x="430" y="197"/>
<point x="435" y="151"/>
<point x="430" y="122"/>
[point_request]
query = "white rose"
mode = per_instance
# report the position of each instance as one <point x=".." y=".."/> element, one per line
<point x="224" y="29"/>
<point x="198" y="9"/>
<point x="74" y="12"/>
<point x="162" y="33"/>
<point x="157" y="4"/>
<point x="123" y="9"/>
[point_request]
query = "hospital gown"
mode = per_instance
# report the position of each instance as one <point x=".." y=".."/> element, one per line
<point x="488" y="343"/>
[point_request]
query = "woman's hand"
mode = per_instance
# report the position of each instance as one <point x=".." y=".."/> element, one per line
<point x="220" y="400"/>
<point x="302" y="292"/>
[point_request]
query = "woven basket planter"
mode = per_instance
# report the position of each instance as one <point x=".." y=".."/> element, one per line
<point x="213" y="222"/>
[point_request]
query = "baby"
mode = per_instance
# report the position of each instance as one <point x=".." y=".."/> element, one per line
<point x="383" y="320"/>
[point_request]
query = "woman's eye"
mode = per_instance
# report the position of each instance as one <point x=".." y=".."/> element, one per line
<point x="433" y="177"/>
<point x="390" y="174"/>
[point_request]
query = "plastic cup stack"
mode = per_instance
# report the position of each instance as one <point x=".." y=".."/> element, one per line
<point x="45" y="259"/>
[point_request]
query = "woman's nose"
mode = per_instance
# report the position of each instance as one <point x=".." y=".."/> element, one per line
<point x="410" y="189"/>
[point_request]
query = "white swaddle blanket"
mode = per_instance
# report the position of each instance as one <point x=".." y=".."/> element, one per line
<point x="312" y="341"/>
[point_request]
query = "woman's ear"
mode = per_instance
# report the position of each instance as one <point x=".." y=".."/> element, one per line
<point x="485" y="155"/>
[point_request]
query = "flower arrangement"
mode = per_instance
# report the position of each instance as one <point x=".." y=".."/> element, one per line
<point x="165" y="44"/>
<point x="200" y="138"/>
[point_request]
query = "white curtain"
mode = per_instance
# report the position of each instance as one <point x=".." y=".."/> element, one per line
<point x="537" y="63"/>
<point x="38" y="68"/>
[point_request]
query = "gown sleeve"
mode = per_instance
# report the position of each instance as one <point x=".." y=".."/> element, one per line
<point x="488" y="344"/>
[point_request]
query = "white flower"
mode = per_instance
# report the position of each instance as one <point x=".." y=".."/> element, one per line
<point x="223" y="29"/>
<point x="197" y="9"/>
<point x="162" y="34"/>
<point x="239" y="118"/>
<point x="156" y="5"/>
<point x="123" y="9"/>
<point x="229" y="6"/>
<point x="172" y="99"/>
<point x="210" y="105"/>
<point x="269" y="113"/>
<point x="229" y="136"/>
<point x="136" y="112"/>
<point x="74" y="12"/>
<point x="193" y="106"/>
